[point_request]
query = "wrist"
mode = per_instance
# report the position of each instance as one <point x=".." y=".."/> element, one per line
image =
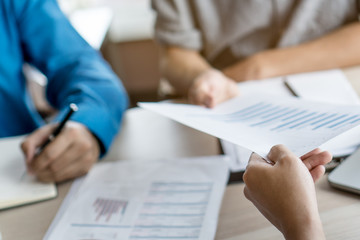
<point x="255" y="67"/>
<point x="281" y="62"/>
<point x="199" y="75"/>
<point x="305" y="229"/>
<point x="265" y="64"/>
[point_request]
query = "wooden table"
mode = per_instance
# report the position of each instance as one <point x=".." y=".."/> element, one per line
<point x="147" y="136"/>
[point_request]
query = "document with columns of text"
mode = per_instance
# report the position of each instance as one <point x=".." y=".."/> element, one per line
<point x="168" y="199"/>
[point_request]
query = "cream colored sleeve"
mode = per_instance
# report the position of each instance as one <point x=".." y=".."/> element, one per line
<point x="175" y="25"/>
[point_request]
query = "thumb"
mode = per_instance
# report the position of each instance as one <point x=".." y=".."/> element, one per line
<point x="280" y="153"/>
<point x="28" y="149"/>
<point x="35" y="140"/>
<point x="256" y="159"/>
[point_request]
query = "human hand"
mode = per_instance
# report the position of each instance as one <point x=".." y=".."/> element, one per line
<point x="71" y="154"/>
<point x="315" y="162"/>
<point x="255" y="67"/>
<point x="285" y="193"/>
<point x="212" y="87"/>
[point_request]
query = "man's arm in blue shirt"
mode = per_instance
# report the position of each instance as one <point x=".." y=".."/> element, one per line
<point x="76" y="73"/>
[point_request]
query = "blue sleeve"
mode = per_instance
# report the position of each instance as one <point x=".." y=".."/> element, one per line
<point x="76" y="72"/>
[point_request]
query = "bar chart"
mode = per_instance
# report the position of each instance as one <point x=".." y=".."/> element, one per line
<point x="279" y="118"/>
<point x="107" y="208"/>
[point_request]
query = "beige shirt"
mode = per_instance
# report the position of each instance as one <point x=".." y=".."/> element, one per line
<point x="225" y="31"/>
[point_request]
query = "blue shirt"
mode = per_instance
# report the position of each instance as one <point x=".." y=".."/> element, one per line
<point x="37" y="32"/>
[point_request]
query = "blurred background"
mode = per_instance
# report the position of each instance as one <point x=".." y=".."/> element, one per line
<point x="122" y="30"/>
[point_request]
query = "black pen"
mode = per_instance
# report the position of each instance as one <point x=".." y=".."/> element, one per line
<point x="72" y="108"/>
<point x="287" y="85"/>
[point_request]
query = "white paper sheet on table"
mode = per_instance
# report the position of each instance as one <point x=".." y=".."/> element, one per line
<point x="329" y="86"/>
<point x="270" y="86"/>
<point x="149" y="200"/>
<point x="259" y="122"/>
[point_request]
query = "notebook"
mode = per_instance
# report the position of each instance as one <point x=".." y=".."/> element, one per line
<point x="16" y="186"/>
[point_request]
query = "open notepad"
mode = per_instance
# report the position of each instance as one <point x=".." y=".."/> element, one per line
<point x="16" y="186"/>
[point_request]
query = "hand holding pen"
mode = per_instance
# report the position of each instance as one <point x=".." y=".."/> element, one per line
<point x="57" y="152"/>
<point x="72" y="108"/>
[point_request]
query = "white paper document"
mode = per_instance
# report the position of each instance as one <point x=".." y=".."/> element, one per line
<point x="269" y="86"/>
<point x="329" y="86"/>
<point x="150" y="200"/>
<point x="16" y="186"/>
<point x="332" y="87"/>
<point x="238" y="155"/>
<point x="259" y="122"/>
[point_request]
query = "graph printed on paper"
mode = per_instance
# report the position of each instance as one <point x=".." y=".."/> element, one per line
<point x="282" y="118"/>
<point x="105" y="209"/>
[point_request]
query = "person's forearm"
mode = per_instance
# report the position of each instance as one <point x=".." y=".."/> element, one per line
<point x="181" y="66"/>
<point x="338" y="49"/>
<point x="306" y="231"/>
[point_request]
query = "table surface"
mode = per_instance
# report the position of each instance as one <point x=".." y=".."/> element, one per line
<point x="238" y="219"/>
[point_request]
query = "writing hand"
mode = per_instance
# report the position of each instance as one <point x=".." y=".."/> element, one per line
<point x="71" y="154"/>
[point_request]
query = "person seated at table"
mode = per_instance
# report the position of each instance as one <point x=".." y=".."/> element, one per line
<point x="37" y="32"/>
<point x="284" y="192"/>
<point x="209" y="46"/>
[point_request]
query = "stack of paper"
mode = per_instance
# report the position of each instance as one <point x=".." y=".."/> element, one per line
<point x="177" y="199"/>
